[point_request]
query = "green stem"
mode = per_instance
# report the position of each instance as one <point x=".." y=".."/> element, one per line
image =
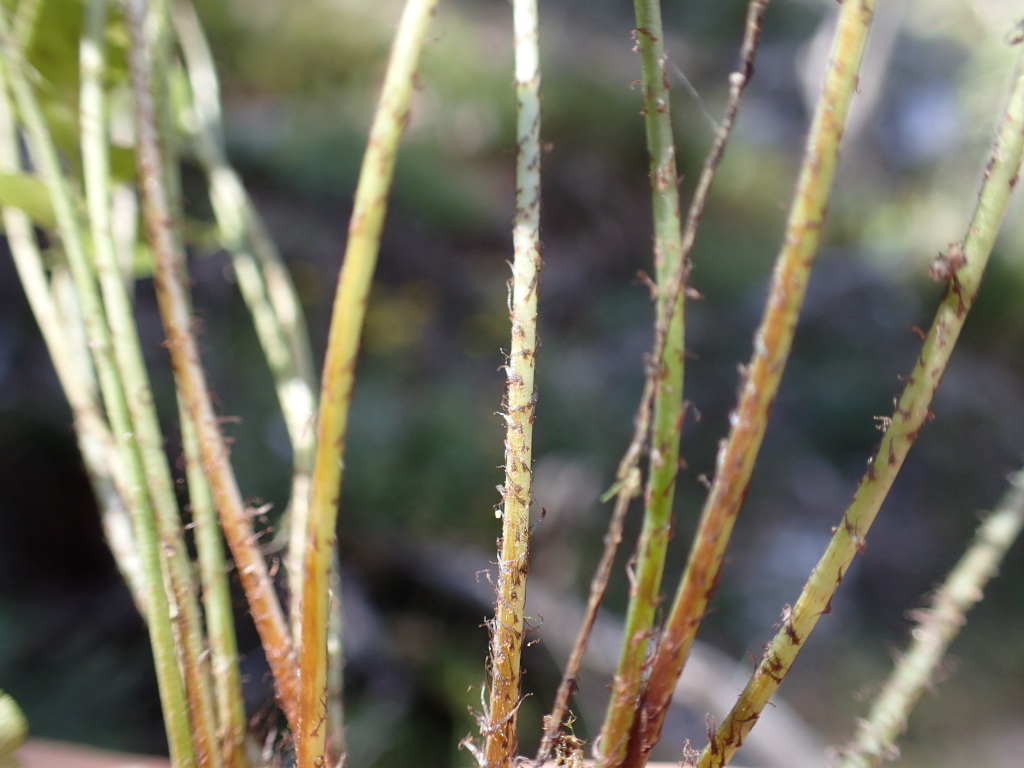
<point x="263" y="277"/>
<point x="669" y="262"/>
<point x="160" y="44"/>
<point x="936" y="628"/>
<point x="75" y="374"/>
<point x="220" y="621"/>
<point x="628" y="474"/>
<point x="338" y="378"/>
<point x="966" y="262"/>
<point x="265" y="284"/>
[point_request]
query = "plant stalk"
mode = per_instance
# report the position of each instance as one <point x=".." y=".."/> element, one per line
<point x="338" y="378"/>
<point x="273" y="303"/>
<point x="75" y="374"/>
<point x="128" y="356"/>
<point x="936" y="628"/>
<point x="668" y="370"/>
<point x="191" y="380"/>
<point x="507" y="629"/>
<point x="220" y="620"/>
<point x="44" y="155"/>
<point x="627" y="476"/>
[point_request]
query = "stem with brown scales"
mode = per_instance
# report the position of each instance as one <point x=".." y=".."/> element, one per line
<point x="500" y="727"/>
<point x="191" y="380"/>
<point x="667" y="372"/>
<point x="937" y="627"/>
<point x="98" y="337"/>
<point x="628" y="474"/>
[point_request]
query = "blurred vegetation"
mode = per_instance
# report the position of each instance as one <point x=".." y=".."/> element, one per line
<point x="299" y="85"/>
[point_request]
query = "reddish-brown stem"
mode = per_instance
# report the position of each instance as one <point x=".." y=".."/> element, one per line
<point x="191" y="380"/>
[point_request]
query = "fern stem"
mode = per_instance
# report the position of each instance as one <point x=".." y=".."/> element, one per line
<point x="128" y="355"/>
<point x="937" y="626"/>
<point x="75" y="374"/>
<point x="191" y="380"/>
<point x="44" y="154"/>
<point x="668" y="409"/>
<point x="220" y="620"/>
<point x="628" y="474"/>
<point x="338" y="378"/>
<point x="507" y="628"/>
<point x="771" y="349"/>
<point x="263" y="278"/>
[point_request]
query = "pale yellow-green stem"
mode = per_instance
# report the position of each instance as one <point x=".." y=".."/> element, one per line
<point x="964" y="263"/>
<point x="628" y="474"/>
<point x="937" y="626"/>
<point x="262" y="276"/>
<point x="160" y="44"/>
<point x="74" y="372"/>
<point x="500" y="723"/>
<point x="263" y="280"/>
<point x="268" y="291"/>
<point x="220" y="621"/>
<point x="338" y="378"/>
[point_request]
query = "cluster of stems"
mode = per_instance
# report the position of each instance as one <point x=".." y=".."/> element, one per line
<point x="88" y="285"/>
<point x="85" y="283"/>
<point x="642" y="689"/>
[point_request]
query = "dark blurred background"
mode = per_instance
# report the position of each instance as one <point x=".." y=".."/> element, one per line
<point x="416" y="525"/>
